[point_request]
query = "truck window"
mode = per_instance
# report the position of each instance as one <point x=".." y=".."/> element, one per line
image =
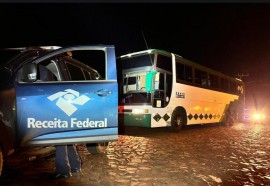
<point x="44" y="74"/>
<point x="45" y="71"/>
<point x="75" y="72"/>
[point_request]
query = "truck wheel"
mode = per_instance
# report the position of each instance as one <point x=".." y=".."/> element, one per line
<point x="97" y="148"/>
<point x="1" y="161"/>
<point x="179" y="119"/>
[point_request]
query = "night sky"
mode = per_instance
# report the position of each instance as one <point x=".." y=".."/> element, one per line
<point x="228" y="37"/>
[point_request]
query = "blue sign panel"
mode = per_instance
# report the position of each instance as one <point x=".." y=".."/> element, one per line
<point x="65" y="110"/>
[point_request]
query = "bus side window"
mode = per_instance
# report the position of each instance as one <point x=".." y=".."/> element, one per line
<point x="180" y="71"/>
<point x="205" y="79"/>
<point x="224" y="84"/>
<point x="188" y="73"/>
<point x="213" y="81"/>
<point x="198" y="79"/>
<point x="232" y="86"/>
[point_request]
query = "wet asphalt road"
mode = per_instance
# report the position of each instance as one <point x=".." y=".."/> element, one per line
<point x="196" y="156"/>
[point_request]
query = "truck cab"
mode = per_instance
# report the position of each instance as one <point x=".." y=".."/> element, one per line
<point x="57" y="95"/>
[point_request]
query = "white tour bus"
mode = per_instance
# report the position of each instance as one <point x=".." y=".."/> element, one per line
<point x="162" y="89"/>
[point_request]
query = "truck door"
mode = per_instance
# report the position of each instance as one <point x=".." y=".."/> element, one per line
<point x="63" y="101"/>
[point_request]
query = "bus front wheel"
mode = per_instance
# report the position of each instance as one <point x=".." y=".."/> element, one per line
<point x="178" y="119"/>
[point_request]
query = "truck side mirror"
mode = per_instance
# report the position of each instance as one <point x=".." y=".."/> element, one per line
<point x="28" y="73"/>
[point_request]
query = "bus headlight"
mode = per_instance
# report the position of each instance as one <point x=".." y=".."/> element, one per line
<point x="139" y="111"/>
<point x="258" y="116"/>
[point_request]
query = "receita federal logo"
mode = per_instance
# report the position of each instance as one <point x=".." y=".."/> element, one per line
<point x="67" y="100"/>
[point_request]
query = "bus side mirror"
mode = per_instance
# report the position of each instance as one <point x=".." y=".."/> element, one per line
<point x="28" y="73"/>
<point x="149" y="81"/>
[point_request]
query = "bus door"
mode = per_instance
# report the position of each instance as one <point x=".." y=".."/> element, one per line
<point x="162" y="86"/>
<point x="162" y="89"/>
<point x="66" y="102"/>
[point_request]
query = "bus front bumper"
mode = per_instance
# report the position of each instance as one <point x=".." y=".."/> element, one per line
<point x="136" y="120"/>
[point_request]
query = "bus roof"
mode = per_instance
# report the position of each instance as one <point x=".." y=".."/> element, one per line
<point x="149" y="51"/>
<point x="183" y="60"/>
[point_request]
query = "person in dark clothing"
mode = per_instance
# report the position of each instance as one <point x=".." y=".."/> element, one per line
<point x="67" y="161"/>
<point x="229" y="117"/>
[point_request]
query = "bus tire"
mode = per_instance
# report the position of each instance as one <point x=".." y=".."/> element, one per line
<point x="1" y="161"/>
<point x="97" y="148"/>
<point x="179" y="119"/>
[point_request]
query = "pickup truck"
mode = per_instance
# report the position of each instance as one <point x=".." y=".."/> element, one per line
<point x="54" y="95"/>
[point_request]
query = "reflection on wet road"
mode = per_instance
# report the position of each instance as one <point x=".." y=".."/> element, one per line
<point x="197" y="155"/>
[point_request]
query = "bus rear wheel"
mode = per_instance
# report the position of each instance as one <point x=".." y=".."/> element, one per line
<point x="97" y="148"/>
<point x="178" y="120"/>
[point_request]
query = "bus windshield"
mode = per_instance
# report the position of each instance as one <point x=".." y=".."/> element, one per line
<point x="134" y="88"/>
<point x="134" y="82"/>
<point x="137" y="61"/>
<point x="136" y="98"/>
<point x="134" y="70"/>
